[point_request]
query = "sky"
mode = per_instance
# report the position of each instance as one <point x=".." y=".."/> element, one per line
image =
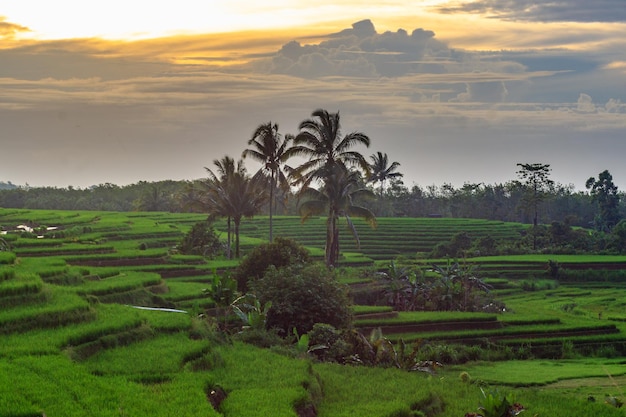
<point x="455" y="91"/>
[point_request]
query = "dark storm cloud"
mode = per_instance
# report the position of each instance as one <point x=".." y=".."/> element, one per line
<point x="544" y="10"/>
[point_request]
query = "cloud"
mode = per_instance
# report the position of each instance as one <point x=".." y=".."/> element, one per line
<point x="9" y="30"/>
<point x="97" y="111"/>
<point x="361" y="51"/>
<point x="610" y="11"/>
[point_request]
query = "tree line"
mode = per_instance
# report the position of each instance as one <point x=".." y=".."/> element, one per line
<point x="335" y="179"/>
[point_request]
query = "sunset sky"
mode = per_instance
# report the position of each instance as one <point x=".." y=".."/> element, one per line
<point x="458" y="92"/>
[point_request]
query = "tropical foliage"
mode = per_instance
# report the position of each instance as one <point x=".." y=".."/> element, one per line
<point x="232" y="193"/>
<point x="202" y="239"/>
<point x="322" y="144"/>
<point x="604" y="193"/>
<point x="271" y="149"/>
<point x="381" y="171"/>
<point x="337" y="197"/>
<point x="302" y="296"/>
<point x="331" y="162"/>
<point x="452" y="287"/>
<point x="280" y="253"/>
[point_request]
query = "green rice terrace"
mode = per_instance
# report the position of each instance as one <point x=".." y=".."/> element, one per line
<point x="102" y="316"/>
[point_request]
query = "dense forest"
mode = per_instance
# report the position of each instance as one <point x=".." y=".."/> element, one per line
<point x="504" y="202"/>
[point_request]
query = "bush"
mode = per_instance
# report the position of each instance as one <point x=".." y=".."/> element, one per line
<point x="456" y="247"/>
<point x="327" y="343"/>
<point x="302" y="296"/>
<point x="280" y="253"/>
<point x="201" y="240"/>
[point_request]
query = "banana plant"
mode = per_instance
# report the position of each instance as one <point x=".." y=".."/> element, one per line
<point x="495" y="404"/>
<point x="223" y="292"/>
<point x="402" y="287"/>
<point x="250" y="311"/>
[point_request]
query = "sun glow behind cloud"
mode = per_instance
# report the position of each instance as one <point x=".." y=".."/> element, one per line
<point x="125" y="20"/>
<point x="141" y="19"/>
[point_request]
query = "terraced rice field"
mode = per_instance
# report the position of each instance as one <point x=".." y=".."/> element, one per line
<point x="392" y="237"/>
<point x="68" y="332"/>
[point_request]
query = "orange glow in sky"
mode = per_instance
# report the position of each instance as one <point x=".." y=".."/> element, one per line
<point x="140" y="19"/>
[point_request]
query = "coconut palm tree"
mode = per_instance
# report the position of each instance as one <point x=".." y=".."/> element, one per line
<point x="329" y="158"/>
<point x="381" y="171"/>
<point x="213" y="196"/>
<point x="321" y="143"/>
<point x="270" y="148"/>
<point x="337" y="197"/>
<point x="233" y="194"/>
<point x="245" y="196"/>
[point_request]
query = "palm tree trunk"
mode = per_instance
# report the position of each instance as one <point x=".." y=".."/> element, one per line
<point x="228" y="254"/>
<point x="332" y="241"/>
<point x="237" y="221"/>
<point x="272" y="187"/>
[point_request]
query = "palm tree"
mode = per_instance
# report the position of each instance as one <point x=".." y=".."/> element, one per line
<point x="270" y="148"/>
<point x="233" y="194"/>
<point x="320" y="141"/>
<point x="152" y="199"/>
<point x="213" y="196"/>
<point x="381" y="171"/>
<point x="337" y="198"/>
<point x="329" y="159"/>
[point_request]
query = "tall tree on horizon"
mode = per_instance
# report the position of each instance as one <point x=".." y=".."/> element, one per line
<point x="321" y="143"/>
<point x="538" y="183"/>
<point x="329" y="158"/>
<point x="382" y="171"/>
<point x="214" y="197"/>
<point x="270" y="148"/>
<point x="605" y="194"/>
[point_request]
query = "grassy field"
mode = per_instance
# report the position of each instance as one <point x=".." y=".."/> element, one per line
<point x="72" y="344"/>
<point x="392" y="237"/>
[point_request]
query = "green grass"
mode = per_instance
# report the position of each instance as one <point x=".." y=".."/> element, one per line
<point x="63" y="307"/>
<point x="262" y="383"/>
<point x="139" y="362"/>
<point x="417" y="317"/>
<point x="179" y="291"/>
<point x="161" y="356"/>
<point x="543" y="372"/>
<point x="125" y="282"/>
<point x="107" y="319"/>
<point x="28" y="283"/>
<point x="392" y="237"/>
<point x="57" y="387"/>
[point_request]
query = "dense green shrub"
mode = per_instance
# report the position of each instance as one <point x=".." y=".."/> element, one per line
<point x="618" y="237"/>
<point x="201" y="240"/>
<point x="328" y="344"/>
<point x="458" y="245"/>
<point x="279" y="253"/>
<point x="302" y="296"/>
